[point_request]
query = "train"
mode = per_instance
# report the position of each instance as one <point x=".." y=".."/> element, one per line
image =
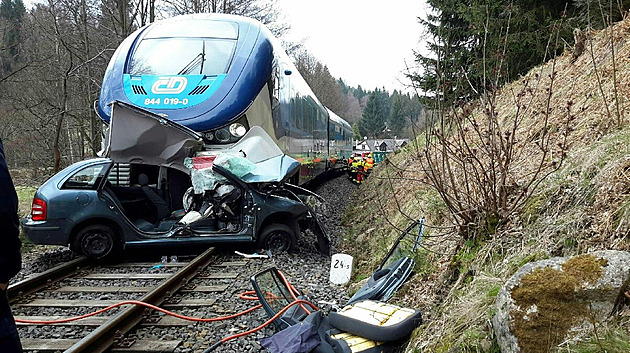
<point x="219" y="75"/>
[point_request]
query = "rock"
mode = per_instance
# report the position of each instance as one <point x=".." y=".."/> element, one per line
<point x="550" y="301"/>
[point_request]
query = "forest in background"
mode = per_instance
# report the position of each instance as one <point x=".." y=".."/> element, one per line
<point x="54" y="55"/>
<point x="474" y="146"/>
<point x="475" y="46"/>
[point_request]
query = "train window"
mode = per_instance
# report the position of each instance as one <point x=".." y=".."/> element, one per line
<point x="194" y="28"/>
<point x="305" y="116"/>
<point x="293" y="120"/>
<point x="298" y="114"/>
<point x="310" y="117"/>
<point x="274" y="86"/>
<point x="182" y="56"/>
<point x="320" y="121"/>
<point x="309" y="113"/>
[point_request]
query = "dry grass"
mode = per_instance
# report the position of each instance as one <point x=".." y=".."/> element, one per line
<point x="583" y="206"/>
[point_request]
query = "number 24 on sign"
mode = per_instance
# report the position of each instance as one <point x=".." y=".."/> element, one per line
<point x="339" y="264"/>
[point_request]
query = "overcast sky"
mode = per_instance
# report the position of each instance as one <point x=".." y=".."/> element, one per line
<point x="365" y="42"/>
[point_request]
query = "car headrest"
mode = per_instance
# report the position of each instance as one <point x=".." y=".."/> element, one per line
<point x="143" y="179"/>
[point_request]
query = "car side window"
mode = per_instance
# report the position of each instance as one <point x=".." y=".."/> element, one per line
<point x="86" y="178"/>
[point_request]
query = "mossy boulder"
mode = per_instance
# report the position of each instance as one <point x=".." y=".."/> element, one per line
<point x="550" y="301"/>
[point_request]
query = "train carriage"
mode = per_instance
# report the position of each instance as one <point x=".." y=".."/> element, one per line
<point x="340" y="140"/>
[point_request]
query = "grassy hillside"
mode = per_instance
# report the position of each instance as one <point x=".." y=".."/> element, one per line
<point x="583" y="206"/>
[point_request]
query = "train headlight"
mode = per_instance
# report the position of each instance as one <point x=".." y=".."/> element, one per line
<point x="238" y="130"/>
<point x="228" y="133"/>
<point x="222" y="135"/>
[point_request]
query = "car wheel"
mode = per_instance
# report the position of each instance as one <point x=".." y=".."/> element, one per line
<point x="97" y="241"/>
<point x="277" y="238"/>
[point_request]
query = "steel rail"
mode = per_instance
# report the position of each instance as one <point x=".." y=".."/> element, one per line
<point x="102" y="338"/>
<point x="41" y="280"/>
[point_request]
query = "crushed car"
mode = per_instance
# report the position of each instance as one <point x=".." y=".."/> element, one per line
<point x="159" y="186"/>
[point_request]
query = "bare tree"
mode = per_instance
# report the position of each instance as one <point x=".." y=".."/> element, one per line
<point x="266" y="11"/>
<point x="321" y="81"/>
<point x="50" y="101"/>
<point x="483" y="162"/>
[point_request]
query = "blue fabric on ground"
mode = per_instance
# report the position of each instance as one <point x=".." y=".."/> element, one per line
<point x="300" y="338"/>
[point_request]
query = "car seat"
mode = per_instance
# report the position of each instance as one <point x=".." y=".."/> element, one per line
<point x="161" y="206"/>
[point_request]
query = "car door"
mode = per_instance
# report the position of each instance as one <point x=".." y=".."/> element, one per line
<point x="137" y="136"/>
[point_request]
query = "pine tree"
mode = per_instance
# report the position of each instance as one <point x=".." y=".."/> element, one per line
<point x="359" y="93"/>
<point x="516" y="38"/>
<point x="372" y="123"/>
<point x="356" y="132"/>
<point x="396" y="119"/>
<point x="11" y="13"/>
<point x="479" y="44"/>
<point x="596" y="13"/>
<point x="5" y="9"/>
<point x="384" y="102"/>
<point x="441" y="75"/>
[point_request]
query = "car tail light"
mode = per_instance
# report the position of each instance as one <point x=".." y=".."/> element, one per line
<point x="39" y="210"/>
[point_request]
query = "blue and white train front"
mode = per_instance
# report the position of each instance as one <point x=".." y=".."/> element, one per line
<point x="203" y="71"/>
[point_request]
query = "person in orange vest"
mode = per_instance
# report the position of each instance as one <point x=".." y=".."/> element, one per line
<point x="360" y="170"/>
<point x="369" y="163"/>
<point x="360" y="174"/>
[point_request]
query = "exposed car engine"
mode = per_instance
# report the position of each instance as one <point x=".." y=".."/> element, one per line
<point x="223" y="203"/>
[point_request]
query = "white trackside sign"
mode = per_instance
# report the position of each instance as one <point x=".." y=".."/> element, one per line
<point x="341" y="268"/>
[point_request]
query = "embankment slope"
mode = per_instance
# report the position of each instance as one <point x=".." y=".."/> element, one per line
<point x="581" y="207"/>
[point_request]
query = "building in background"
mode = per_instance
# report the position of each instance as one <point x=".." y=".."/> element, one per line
<point x="382" y="145"/>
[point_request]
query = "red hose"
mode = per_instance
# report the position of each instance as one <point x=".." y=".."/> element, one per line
<point x="295" y="292"/>
<point x="247" y="295"/>
<point x="150" y="306"/>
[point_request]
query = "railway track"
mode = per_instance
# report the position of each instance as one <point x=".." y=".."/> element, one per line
<point x="79" y="287"/>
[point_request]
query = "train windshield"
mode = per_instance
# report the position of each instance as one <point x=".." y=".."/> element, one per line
<point x="182" y="56"/>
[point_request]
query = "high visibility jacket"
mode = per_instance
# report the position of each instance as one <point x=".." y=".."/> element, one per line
<point x="369" y="163"/>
